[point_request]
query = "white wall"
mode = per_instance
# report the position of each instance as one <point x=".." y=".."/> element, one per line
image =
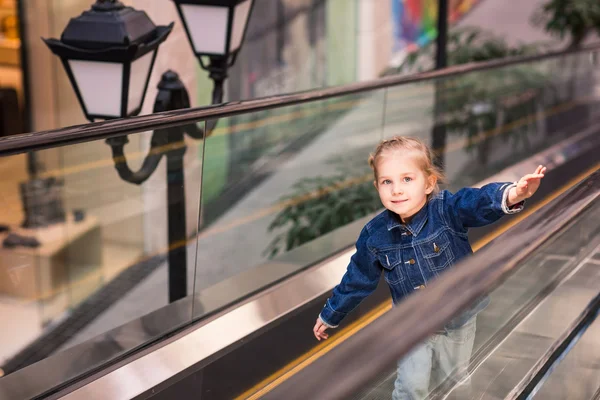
<point x="374" y="34"/>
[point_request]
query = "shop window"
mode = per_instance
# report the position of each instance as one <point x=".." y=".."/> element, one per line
<point x="11" y="71"/>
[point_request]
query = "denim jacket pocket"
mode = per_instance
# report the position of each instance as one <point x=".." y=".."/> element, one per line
<point x="437" y="252"/>
<point x="390" y="261"/>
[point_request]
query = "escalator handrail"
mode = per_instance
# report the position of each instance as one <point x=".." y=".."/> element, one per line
<point x="101" y="130"/>
<point x="342" y="371"/>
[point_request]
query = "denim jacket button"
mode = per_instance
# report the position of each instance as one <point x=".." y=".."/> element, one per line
<point x="411" y="261"/>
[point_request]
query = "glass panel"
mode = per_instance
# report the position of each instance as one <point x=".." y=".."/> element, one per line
<point x="207" y="25"/>
<point x="409" y="111"/>
<point x="105" y="255"/>
<point x="140" y="69"/>
<point x="27" y="204"/>
<point x="93" y="77"/>
<point x="240" y="18"/>
<point x="276" y="182"/>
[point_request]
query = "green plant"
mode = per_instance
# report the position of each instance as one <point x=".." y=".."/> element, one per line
<point x="319" y="205"/>
<point x="575" y="18"/>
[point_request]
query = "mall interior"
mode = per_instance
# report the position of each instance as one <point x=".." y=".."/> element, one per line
<point x="204" y="280"/>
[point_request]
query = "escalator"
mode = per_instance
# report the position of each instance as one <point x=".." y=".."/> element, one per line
<point x="255" y="289"/>
<point x="535" y="338"/>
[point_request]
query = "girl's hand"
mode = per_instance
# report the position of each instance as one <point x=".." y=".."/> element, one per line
<point x="526" y="186"/>
<point x="319" y="330"/>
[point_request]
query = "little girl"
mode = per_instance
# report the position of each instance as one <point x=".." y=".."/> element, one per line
<point x="421" y="233"/>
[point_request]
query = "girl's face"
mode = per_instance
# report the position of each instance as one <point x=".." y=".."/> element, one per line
<point x="402" y="185"/>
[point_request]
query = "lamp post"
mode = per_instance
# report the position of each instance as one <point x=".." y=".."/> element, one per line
<point x="438" y="142"/>
<point x="110" y="50"/>
<point x="215" y="30"/>
<point x="170" y="143"/>
<point x="108" y="53"/>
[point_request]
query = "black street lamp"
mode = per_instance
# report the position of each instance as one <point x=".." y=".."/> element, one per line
<point x="215" y="30"/>
<point x="438" y="140"/>
<point x="108" y="54"/>
<point x="170" y="143"/>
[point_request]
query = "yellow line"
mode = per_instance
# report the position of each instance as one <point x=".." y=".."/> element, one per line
<point x="315" y="353"/>
<point x="280" y="376"/>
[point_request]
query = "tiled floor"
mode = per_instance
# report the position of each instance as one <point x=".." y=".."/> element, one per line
<point x="21" y="325"/>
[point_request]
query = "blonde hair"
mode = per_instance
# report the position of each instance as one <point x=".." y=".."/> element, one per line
<point x="423" y="157"/>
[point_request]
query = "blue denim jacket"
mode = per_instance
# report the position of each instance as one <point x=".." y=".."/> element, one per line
<point x="413" y="254"/>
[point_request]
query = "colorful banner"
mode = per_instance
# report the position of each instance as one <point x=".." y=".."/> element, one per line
<point x="415" y="21"/>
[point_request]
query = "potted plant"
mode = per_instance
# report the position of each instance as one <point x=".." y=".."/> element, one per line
<point x="573" y="18"/>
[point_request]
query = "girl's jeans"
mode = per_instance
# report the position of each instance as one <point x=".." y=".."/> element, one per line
<point x="443" y="355"/>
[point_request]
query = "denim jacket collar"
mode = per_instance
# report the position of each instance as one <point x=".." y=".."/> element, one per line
<point x="414" y="226"/>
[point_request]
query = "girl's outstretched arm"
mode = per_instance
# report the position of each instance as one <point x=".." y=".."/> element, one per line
<point x="526" y="186"/>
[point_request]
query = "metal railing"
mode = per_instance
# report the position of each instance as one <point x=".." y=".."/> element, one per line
<point x="102" y="130"/>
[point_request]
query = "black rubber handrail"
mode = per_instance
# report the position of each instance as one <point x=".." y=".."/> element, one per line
<point x="101" y="130"/>
<point x="376" y="348"/>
